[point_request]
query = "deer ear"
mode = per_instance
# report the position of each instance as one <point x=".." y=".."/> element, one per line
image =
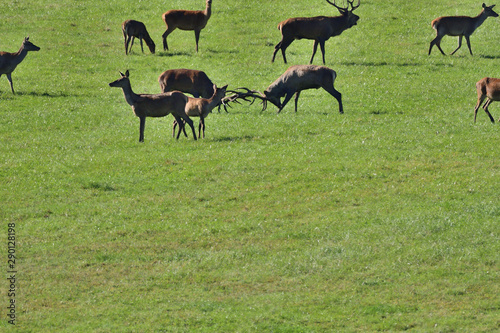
<point x="127" y="73"/>
<point x="484" y="5"/>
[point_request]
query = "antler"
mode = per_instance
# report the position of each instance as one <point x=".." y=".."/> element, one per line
<point x="346" y="9"/>
<point x="354" y="7"/>
<point x="341" y="9"/>
<point x="246" y="96"/>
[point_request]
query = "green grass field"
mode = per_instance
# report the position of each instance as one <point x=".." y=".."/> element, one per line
<point x="384" y="218"/>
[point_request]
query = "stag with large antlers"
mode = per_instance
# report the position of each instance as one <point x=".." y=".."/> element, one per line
<point x="319" y="28"/>
<point x="461" y="26"/>
<point x="292" y="82"/>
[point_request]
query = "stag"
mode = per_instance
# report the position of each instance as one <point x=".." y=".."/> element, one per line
<point x="487" y="88"/>
<point x="319" y="28"/>
<point x="461" y="26"/>
<point x="155" y="105"/>
<point x="292" y="82"/>
<point x="201" y="107"/>
<point x="186" y="20"/>
<point x="132" y="29"/>
<point x="9" y="61"/>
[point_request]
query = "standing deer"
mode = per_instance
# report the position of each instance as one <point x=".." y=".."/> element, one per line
<point x="461" y="26"/>
<point x="132" y="29"/>
<point x="9" y="61"/>
<point x="487" y="88"/>
<point x="201" y="107"/>
<point x="319" y="28"/>
<point x="156" y="105"/>
<point x="293" y="81"/>
<point x="188" y="81"/>
<point x="186" y="20"/>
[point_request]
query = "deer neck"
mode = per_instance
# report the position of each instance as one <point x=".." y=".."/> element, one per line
<point x="131" y="97"/>
<point x="478" y="20"/>
<point x="208" y="10"/>
<point x="19" y="55"/>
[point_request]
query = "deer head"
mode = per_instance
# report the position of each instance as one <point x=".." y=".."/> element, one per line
<point x="352" y="18"/>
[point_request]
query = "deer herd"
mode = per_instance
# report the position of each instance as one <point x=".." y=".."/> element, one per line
<point x="175" y="83"/>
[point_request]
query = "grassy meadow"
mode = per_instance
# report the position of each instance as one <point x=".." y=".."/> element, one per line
<point x="384" y="218"/>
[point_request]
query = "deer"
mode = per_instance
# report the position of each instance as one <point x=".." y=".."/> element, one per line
<point x="487" y="88"/>
<point x="132" y="29"/>
<point x="189" y="81"/>
<point x="461" y="26"/>
<point x="154" y="105"/>
<point x="201" y="107"/>
<point x="319" y="28"/>
<point x="292" y="82"/>
<point x="9" y="61"/>
<point x="186" y="20"/>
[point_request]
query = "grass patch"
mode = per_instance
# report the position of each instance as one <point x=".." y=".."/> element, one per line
<point x="384" y="218"/>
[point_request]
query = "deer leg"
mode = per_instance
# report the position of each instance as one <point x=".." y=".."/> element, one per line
<point x="297" y="94"/>
<point x="467" y="38"/>
<point x="282" y="45"/>
<point x="436" y="41"/>
<point x="9" y="77"/>
<point x="479" y="102"/>
<point x="459" y="44"/>
<point x="322" y="46"/>
<point x="338" y="96"/>
<point x="174" y="125"/>
<point x="164" y="37"/>
<point x="142" y="48"/>
<point x="190" y="123"/>
<point x="315" y="47"/>
<point x="276" y="48"/>
<point x="126" y="43"/>
<point x="288" y="97"/>
<point x="201" y="127"/>
<point x="485" y="107"/>
<point x="197" y="38"/>
<point x="131" y="44"/>
<point x="141" y="128"/>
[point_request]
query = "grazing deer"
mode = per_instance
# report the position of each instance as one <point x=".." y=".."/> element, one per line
<point x="461" y="26"/>
<point x="487" y="88"/>
<point x="201" y="107"/>
<point x="319" y="28"/>
<point x="132" y="29"/>
<point x="9" y="61"/>
<point x="156" y="105"/>
<point x="186" y="20"/>
<point x="293" y="81"/>
<point x="189" y="81"/>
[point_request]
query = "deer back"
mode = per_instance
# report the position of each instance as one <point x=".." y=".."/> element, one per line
<point x="189" y="81"/>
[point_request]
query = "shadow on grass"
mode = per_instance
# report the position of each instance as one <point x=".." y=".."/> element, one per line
<point x="233" y="138"/>
<point x="484" y="56"/>
<point x="174" y="54"/>
<point x="45" y="94"/>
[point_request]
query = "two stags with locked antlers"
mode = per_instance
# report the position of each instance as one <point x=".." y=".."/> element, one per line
<point x="207" y="96"/>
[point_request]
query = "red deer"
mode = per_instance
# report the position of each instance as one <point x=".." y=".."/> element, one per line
<point x="293" y="81"/>
<point x="132" y="29"/>
<point x="189" y="81"/>
<point x="201" y="107"/>
<point x="319" y="28"/>
<point x="9" y="61"/>
<point x="489" y="89"/>
<point x="461" y="26"/>
<point x="155" y="105"/>
<point x="186" y="20"/>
